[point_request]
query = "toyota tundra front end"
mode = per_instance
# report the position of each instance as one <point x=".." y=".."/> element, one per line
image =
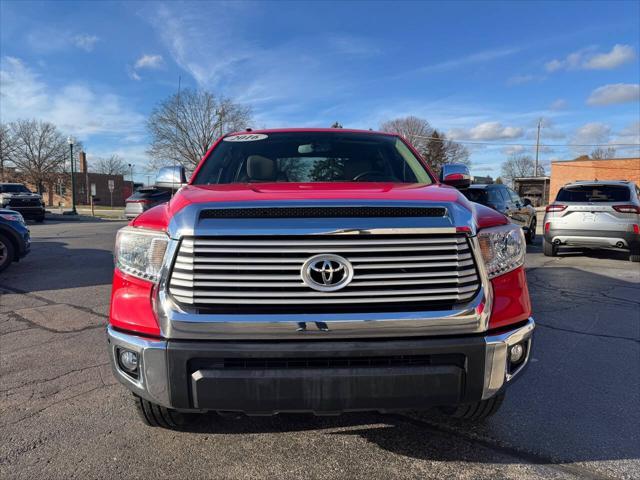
<point x="320" y="271"/>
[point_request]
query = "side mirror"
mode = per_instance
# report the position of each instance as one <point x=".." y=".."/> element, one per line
<point x="456" y="175"/>
<point x="526" y="202"/>
<point x="171" y="177"/>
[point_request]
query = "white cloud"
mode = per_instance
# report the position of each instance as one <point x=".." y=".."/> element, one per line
<point x="85" y="41"/>
<point x="615" y="93"/>
<point x="559" y="104"/>
<point x="619" y="54"/>
<point x="592" y="133"/>
<point x="493" y="131"/>
<point x="478" y="57"/>
<point x="522" y="79"/>
<point x="74" y="108"/>
<point x="49" y="39"/>
<point x="588" y="59"/>
<point x="149" y="61"/>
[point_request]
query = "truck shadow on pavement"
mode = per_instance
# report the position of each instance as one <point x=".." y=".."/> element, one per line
<point x="577" y="401"/>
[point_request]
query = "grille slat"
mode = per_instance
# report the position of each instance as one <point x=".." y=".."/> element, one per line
<point x="262" y="274"/>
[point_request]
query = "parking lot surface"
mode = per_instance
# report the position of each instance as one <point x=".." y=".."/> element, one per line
<point x="574" y="414"/>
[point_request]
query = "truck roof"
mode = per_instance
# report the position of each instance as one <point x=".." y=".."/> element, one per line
<point x="309" y="129"/>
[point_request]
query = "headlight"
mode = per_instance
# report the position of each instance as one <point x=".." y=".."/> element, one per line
<point x="503" y="248"/>
<point x="140" y="252"/>
<point x="14" y="217"/>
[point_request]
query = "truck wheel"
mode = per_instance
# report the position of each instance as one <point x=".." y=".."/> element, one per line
<point x="7" y="252"/>
<point x="634" y="254"/>
<point x="476" y="411"/>
<point x="530" y="236"/>
<point x="549" y="249"/>
<point x="158" y="416"/>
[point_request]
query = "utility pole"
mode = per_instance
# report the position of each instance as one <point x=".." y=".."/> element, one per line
<point x="71" y="141"/>
<point x="535" y="172"/>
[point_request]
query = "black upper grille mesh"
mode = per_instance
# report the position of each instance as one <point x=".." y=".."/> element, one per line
<point x="323" y="212"/>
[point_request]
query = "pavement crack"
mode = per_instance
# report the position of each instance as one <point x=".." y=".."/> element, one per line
<point x="57" y="377"/>
<point x="602" y="335"/>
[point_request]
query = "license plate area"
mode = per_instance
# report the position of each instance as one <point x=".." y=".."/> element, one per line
<point x="326" y="391"/>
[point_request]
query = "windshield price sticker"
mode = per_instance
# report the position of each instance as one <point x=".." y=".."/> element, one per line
<point x="246" y="137"/>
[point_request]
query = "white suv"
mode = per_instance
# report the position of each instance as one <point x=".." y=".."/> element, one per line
<point x="595" y="214"/>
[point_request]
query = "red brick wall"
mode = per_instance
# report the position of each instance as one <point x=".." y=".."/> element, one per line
<point x="611" y="169"/>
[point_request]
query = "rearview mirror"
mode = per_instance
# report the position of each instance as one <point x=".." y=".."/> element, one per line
<point x="456" y="175"/>
<point x="171" y="177"/>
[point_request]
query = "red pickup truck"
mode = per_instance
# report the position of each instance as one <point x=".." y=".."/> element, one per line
<point x="322" y="271"/>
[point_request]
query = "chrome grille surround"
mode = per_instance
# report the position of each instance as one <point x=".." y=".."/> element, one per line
<point x="262" y="274"/>
<point x="176" y="322"/>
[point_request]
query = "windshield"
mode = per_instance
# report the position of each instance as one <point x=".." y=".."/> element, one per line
<point x="594" y="193"/>
<point x="14" y="189"/>
<point x="311" y="157"/>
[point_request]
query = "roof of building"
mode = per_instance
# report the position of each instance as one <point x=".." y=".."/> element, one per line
<point x="580" y="159"/>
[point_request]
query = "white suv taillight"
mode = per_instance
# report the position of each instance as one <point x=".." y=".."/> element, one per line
<point x="555" y="207"/>
<point x="626" y="208"/>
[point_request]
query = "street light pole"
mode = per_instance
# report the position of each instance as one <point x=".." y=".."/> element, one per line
<point x="71" y="141"/>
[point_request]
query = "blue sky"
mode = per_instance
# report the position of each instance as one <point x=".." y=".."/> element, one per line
<point x="480" y="71"/>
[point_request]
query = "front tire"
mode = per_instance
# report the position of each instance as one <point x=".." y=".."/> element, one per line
<point x="530" y="236"/>
<point x="549" y="249"/>
<point x="154" y="415"/>
<point x="476" y="411"/>
<point x="7" y="252"/>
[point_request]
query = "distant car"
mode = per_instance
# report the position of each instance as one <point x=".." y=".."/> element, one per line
<point x="18" y="197"/>
<point x="506" y="201"/>
<point x="143" y="199"/>
<point x="598" y="214"/>
<point x="14" y="238"/>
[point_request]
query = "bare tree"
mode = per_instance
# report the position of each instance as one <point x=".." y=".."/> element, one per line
<point x="433" y="145"/>
<point x="185" y="125"/>
<point x="416" y="131"/>
<point x="7" y="148"/>
<point x="603" y="153"/>
<point x="114" y="165"/>
<point x="440" y="151"/>
<point x="519" y="165"/>
<point x="40" y="150"/>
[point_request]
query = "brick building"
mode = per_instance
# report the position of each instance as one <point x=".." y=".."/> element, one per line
<point x="57" y="192"/>
<point x="585" y="168"/>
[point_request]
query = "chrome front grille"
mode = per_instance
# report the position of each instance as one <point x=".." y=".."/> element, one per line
<point x="263" y="274"/>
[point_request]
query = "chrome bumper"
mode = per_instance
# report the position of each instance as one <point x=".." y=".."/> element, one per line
<point x="154" y="376"/>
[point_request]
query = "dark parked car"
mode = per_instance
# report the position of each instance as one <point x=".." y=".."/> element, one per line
<point x="503" y="199"/>
<point x="145" y="198"/>
<point x="14" y="238"/>
<point x="16" y="196"/>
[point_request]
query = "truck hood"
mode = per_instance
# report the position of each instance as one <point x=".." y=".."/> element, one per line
<point x="183" y="209"/>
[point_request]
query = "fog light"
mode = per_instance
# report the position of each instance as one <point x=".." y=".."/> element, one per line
<point x="129" y="360"/>
<point x="516" y="353"/>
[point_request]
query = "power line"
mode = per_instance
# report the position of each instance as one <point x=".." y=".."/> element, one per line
<point x="499" y="144"/>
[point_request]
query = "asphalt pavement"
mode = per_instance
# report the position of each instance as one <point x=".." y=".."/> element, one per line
<point x="574" y="414"/>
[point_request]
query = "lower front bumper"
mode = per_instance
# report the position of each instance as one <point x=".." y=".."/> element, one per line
<point x="30" y="212"/>
<point x="320" y="377"/>
<point x="593" y="238"/>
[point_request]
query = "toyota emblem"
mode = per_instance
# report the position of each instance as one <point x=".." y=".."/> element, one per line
<point x="327" y="273"/>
